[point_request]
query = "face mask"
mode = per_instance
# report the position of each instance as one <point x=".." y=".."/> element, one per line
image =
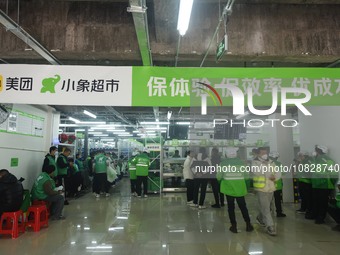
<point x="314" y="154"/>
<point x="264" y="157"/>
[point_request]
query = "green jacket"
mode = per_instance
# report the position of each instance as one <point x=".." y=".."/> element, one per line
<point x="62" y="164"/>
<point x="132" y="170"/>
<point x="51" y="162"/>
<point x="100" y="164"/>
<point x="232" y="183"/>
<point x="278" y="183"/>
<point x="38" y="187"/>
<point x="142" y="162"/>
<point x="327" y="177"/>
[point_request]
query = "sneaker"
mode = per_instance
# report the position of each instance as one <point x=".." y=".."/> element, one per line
<point x="216" y="206"/>
<point x="249" y="227"/>
<point x="107" y="194"/>
<point x="260" y="222"/>
<point x="97" y="195"/>
<point x="135" y="194"/>
<point x="145" y="196"/>
<point x="202" y="207"/>
<point x="300" y="211"/>
<point x="193" y="205"/>
<point x="271" y="231"/>
<point x="61" y="217"/>
<point x="139" y="196"/>
<point x="280" y="215"/>
<point x="190" y="202"/>
<point x="309" y="216"/>
<point x="233" y="229"/>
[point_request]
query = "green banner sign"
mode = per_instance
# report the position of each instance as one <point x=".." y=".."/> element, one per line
<point x="166" y="86"/>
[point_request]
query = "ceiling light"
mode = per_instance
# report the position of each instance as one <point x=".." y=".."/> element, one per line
<point x="79" y="130"/>
<point x="118" y="130"/>
<point x="93" y="122"/>
<point x="183" y="123"/>
<point x="100" y="135"/>
<point x="184" y="14"/>
<point x="135" y="131"/>
<point x="74" y="120"/>
<point x="154" y="122"/>
<point x="156" y="128"/>
<point x="95" y="133"/>
<point x="68" y="125"/>
<point x="125" y="135"/>
<point x="90" y="114"/>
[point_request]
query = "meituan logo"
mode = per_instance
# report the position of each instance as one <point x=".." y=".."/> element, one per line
<point x="207" y="89"/>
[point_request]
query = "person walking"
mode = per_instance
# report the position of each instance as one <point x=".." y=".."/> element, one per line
<point x="215" y="185"/>
<point x="100" y="182"/>
<point x="188" y="176"/>
<point x="142" y="162"/>
<point x="63" y="177"/>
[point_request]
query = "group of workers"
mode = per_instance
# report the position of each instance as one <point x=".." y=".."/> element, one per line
<point x="315" y="187"/>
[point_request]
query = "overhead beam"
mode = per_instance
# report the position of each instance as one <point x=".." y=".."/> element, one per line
<point x="13" y="27"/>
<point x="138" y="9"/>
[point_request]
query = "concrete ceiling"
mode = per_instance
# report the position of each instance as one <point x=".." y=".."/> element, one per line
<point x="101" y="32"/>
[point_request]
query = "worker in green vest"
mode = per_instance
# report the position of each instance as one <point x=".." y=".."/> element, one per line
<point x="304" y="162"/>
<point x="50" y="160"/>
<point x="44" y="188"/>
<point x="133" y="177"/>
<point x="323" y="183"/>
<point x="334" y="209"/>
<point x="62" y="166"/>
<point x="274" y="156"/>
<point x="100" y="182"/>
<point x="233" y="185"/>
<point x="142" y="162"/>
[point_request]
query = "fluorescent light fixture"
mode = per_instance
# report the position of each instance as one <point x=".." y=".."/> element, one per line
<point x="122" y="218"/>
<point x="92" y="122"/>
<point x="116" y="228"/>
<point x="90" y="114"/>
<point x="163" y="131"/>
<point x="125" y="135"/>
<point x="255" y="252"/>
<point x="184" y="14"/>
<point x="95" y="133"/>
<point x="73" y="242"/>
<point x="68" y="125"/>
<point x="74" y="120"/>
<point x="118" y="130"/>
<point x="150" y="131"/>
<point x="169" y="116"/>
<point x="164" y="245"/>
<point x="79" y="130"/>
<point x="99" y="247"/>
<point x="103" y="135"/>
<point x="87" y="228"/>
<point x="156" y="128"/>
<point x="135" y="131"/>
<point x="100" y="128"/>
<point x="183" y="123"/>
<point x="94" y="242"/>
<point x="177" y="231"/>
<point x="155" y="122"/>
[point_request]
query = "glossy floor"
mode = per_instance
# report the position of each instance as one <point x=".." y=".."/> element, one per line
<point x="121" y="224"/>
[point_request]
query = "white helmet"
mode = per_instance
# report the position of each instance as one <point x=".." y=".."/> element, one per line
<point x="323" y="148"/>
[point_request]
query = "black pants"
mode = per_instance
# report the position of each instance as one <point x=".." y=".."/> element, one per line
<point x="200" y="183"/>
<point x="190" y="185"/>
<point x="278" y="201"/>
<point x="219" y="197"/>
<point x="241" y="204"/>
<point x="140" y="180"/>
<point x="133" y="185"/>
<point x="320" y="203"/>
<point x="334" y="212"/>
<point x="76" y="181"/>
<point x="100" y="183"/>
<point x="305" y="190"/>
<point x="66" y="180"/>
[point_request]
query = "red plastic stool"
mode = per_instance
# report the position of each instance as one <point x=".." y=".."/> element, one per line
<point x="40" y="217"/>
<point x="42" y="202"/>
<point x="12" y="226"/>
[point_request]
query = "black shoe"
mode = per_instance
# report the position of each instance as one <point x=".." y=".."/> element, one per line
<point x="66" y="202"/>
<point x="336" y="228"/>
<point x="300" y="211"/>
<point x="319" y="222"/>
<point x="216" y="206"/>
<point x="233" y="228"/>
<point x="222" y="205"/>
<point x="280" y="215"/>
<point x="309" y="217"/>
<point x="249" y="227"/>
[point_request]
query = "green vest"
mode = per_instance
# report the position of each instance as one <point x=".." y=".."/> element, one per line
<point x="305" y="177"/>
<point x="100" y="164"/>
<point x="326" y="179"/>
<point x="62" y="171"/>
<point x="38" y="187"/>
<point x="142" y="162"/>
<point x="76" y="169"/>
<point x="132" y="171"/>
<point x="80" y="164"/>
<point x="278" y="183"/>
<point x="232" y="183"/>
<point x="52" y="162"/>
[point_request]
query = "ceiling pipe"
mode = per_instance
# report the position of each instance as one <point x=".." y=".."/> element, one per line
<point x="226" y="11"/>
<point x="27" y="38"/>
<point x="177" y="51"/>
<point x="119" y="115"/>
<point x="138" y="9"/>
